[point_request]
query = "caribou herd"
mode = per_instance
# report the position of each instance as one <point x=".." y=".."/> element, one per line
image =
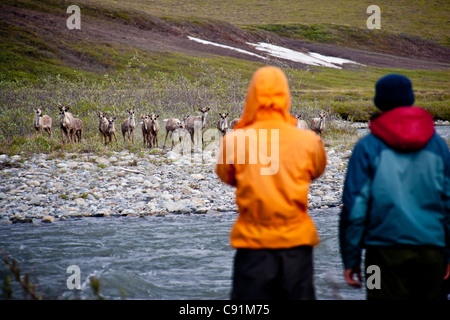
<point x="72" y="127"/>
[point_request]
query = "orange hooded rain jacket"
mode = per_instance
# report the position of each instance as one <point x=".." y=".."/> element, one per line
<point x="271" y="163"/>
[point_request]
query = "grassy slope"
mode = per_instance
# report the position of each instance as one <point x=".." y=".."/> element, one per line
<point x="427" y="19"/>
<point x="29" y="54"/>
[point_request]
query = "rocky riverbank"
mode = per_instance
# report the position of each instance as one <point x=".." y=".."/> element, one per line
<point x="46" y="188"/>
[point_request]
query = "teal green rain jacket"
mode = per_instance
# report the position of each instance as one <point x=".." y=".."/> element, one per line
<point x="397" y="187"/>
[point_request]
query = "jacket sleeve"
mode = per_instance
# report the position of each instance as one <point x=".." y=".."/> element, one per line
<point x="447" y="219"/>
<point x="446" y="199"/>
<point x="225" y="168"/>
<point x="319" y="160"/>
<point x="356" y="204"/>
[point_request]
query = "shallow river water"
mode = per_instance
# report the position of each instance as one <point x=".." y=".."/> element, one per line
<point x="157" y="257"/>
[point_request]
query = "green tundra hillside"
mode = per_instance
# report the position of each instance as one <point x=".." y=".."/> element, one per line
<point x="149" y="56"/>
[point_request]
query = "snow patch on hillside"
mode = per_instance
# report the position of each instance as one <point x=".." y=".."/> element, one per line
<point x="225" y="47"/>
<point x="309" y="58"/>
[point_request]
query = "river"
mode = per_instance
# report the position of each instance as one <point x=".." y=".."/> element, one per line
<point x="169" y="257"/>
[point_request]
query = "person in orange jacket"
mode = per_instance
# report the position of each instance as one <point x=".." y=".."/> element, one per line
<point x="271" y="163"/>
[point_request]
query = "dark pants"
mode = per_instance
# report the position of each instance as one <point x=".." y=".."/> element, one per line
<point x="262" y="274"/>
<point x="407" y="273"/>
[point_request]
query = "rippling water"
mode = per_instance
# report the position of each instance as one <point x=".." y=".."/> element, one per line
<point x="156" y="257"/>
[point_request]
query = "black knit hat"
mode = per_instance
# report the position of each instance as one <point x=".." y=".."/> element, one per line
<point x="392" y="91"/>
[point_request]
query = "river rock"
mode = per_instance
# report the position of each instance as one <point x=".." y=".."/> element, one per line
<point x="166" y="196"/>
<point x="102" y="161"/>
<point x="48" y="219"/>
<point x="127" y="211"/>
<point x="15" y="158"/>
<point x="154" y="185"/>
<point x="198" y="176"/>
<point x="36" y="200"/>
<point x="80" y="202"/>
<point x="197" y="201"/>
<point x="72" y="165"/>
<point x="33" y="183"/>
<point x="113" y="159"/>
<point x="179" y="206"/>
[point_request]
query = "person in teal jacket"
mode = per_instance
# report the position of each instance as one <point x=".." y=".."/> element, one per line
<point x="396" y="199"/>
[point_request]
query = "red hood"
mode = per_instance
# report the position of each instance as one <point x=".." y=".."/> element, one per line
<point x="404" y="128"/>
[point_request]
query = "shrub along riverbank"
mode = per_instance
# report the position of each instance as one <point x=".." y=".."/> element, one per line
<point x="342" y="94"/>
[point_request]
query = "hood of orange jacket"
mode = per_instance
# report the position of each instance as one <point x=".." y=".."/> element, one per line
<point x="272" y="204"/>
<point x="268" y="96"/>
